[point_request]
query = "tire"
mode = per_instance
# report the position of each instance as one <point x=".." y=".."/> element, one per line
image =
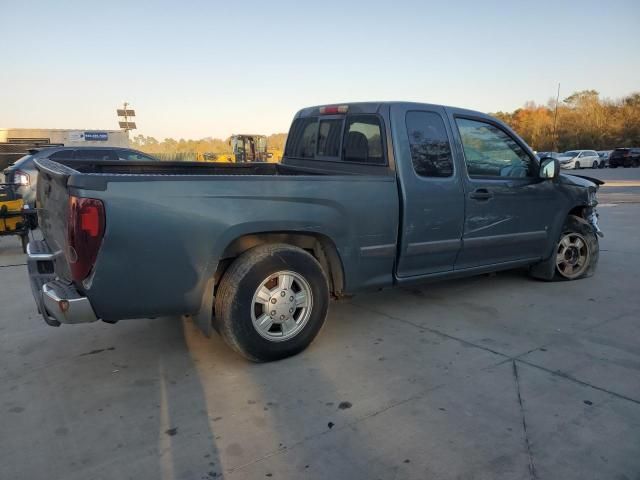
<point x="573" y="228"/>
<point x="577" y="166"/>
<point x="24" y="241"/>
<point x="240" y="303"/>
<point x="636" y="163"/>
<point x="602" y="165"/>
<point x="595" y="165"/>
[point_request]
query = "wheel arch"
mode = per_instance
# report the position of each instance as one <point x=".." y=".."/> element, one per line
<point x="322" y="248"/>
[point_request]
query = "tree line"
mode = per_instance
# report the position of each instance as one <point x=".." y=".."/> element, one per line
<point x="170" y="146"/>
<point x="584" y="121"/>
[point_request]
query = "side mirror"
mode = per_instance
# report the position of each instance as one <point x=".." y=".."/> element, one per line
<point x="549" y="167"/>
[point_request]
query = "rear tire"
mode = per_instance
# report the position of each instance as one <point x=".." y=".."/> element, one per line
<point x="575" y="256"/>
<point x="272" y="278"/>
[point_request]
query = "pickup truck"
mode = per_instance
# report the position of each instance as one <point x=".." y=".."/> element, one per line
<point x="368" y="196"/>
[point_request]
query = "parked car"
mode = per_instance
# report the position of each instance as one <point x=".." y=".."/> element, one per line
<point x="548" y="154"/>
<point x="368" y="195"/>
<point x="604" y="158"/>
<point x="625" y="157"/>
<point x="577" y="159"/>
<point x="24" y="173"/>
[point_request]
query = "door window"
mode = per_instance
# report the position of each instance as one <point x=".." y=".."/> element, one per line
<point x="491" y="152"/>
<point x="429" y="143"/>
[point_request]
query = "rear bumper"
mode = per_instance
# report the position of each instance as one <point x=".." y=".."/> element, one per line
<point x="58" y="301"/>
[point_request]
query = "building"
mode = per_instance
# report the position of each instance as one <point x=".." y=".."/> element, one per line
<point x="16" y="142"/>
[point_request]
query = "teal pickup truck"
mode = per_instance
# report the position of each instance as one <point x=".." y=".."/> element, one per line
<point x="368" y="195"/>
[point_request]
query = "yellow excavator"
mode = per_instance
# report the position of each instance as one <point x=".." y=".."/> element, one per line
<point x="249" y="148"/>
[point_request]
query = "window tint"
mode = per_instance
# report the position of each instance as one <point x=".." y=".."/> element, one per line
<point x="329" y="133"/>
<point x="302" y="139"/>
<point x="133" y="156"/>
<point x="91" y="154"/>
<point x="363" y="140"/>
<point x="62" y="155"/>
<point x="489" y="151"/>
<point x="430" y="147"/>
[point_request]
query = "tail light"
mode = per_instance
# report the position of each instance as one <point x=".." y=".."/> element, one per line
<point x="85" y="229"/>
<point x="334" y="110"/>
<point x="21" y="178"/>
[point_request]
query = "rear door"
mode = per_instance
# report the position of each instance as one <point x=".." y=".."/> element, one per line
<point x="432" y="195"/>
<point x="508" y="209"/>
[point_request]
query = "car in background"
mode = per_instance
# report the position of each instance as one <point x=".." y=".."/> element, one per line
<point x="548" y="154"/>
<point x="625" y="157"/>
<point x="577" y="159"/>
<point x="604" y="157"/>
<point x="23" y="172"/>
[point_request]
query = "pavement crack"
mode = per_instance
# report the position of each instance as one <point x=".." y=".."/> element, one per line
<point x="566" y="376"/>
<point x="434" y="331"/>
<point x="338" y="428"/>
<point x="516" y="378"/>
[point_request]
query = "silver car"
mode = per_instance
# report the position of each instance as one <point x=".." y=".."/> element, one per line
<point x="577" y="159"/>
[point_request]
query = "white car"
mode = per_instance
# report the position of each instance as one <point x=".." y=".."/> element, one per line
<point x="576" y="159"/>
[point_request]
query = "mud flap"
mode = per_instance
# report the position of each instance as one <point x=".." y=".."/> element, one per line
<point x="203" y="319"/>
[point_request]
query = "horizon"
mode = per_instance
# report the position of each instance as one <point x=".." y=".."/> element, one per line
<point x="201" y="70"/>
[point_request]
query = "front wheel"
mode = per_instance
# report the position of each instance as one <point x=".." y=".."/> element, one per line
<point x="577" y="166"/>
<point x="595" y="165"/>
<point x="271" y="302"/>
<point x="575" y="256"/>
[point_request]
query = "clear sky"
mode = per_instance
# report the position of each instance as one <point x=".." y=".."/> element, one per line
<point x="193" y="69"/>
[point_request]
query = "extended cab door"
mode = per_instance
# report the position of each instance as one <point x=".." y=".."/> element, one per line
<point x="509" y="210"/>
<point x="431" y="192"/>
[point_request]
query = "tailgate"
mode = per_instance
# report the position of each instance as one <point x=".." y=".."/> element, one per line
<point x="52" y="201"/>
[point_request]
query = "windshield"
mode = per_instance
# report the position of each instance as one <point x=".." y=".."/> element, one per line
<point x="571" y="153"/>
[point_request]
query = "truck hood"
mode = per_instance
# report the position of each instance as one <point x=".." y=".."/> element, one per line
<point x="580" y="180"/>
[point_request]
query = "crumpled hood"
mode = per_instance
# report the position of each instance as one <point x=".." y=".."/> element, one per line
<point x="580" y="180"/>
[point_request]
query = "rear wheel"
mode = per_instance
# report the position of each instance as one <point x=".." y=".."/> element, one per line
<point x="272" y="302"/>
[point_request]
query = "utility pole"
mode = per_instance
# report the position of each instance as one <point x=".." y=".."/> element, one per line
<point x="555" y="120"/>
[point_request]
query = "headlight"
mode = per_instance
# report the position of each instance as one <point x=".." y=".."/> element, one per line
<point x="21" y="178"/>
<point x="592" y="199"/>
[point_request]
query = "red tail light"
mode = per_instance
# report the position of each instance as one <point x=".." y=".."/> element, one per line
<point x="85" y="228"/>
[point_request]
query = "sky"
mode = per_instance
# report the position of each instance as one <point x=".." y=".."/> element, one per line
<point x="195" y="69"/>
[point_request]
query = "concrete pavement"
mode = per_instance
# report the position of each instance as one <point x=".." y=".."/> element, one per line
<point x="492" y="377"/>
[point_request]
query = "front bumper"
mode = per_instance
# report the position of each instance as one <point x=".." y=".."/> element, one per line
<point x="58" y="301"/>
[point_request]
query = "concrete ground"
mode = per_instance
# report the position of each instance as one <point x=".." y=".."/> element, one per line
<point x="492" y="377"/>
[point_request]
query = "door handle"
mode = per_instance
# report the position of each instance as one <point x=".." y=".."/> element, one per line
<point x="481" y="194"/>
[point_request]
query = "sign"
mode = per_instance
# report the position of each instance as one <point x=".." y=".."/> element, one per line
<point x="96" y="136"/>
<point x="75" y="136"/>
<point x="127" y="125"/>
<point x="126" y="113"/>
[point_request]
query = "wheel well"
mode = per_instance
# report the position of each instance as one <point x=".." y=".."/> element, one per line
<point x="320" y="246"/>
<point x="577" y="211"/>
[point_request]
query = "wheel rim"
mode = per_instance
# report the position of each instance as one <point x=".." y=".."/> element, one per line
<point x="595" y="165"/>
<point x="281" y="306"/>
<point x="572" y="256"/>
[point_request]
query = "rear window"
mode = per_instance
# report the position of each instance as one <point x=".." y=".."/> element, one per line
<point x="95" y="155"/>
<point x="363" y="140"/>
<point x="329" y="135"/>
<point x="302" y="138"/>
<point x="353" y="138"/>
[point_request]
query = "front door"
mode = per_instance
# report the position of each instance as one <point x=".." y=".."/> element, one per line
<point x="508" y="209"/>
<point x="432" y="198"/>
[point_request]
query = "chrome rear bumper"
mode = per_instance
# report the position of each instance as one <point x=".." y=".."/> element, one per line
<point x="58" y="301"/>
